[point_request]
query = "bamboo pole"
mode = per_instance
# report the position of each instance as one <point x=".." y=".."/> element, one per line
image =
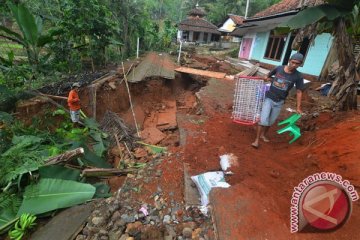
<point x="131" y="106"/>
<point x="121" y="154"/>
<point x="54" y="97"/>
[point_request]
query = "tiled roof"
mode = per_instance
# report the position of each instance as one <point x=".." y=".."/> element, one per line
<point x="197" y="12"/>
<point x="285" y="6"/>
<point x="237" y="19"/>
<point x="198" y="25"/>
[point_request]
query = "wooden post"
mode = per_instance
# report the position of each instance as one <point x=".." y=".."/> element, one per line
<point x="179" y="52"/>
<point x="93" y="93"/>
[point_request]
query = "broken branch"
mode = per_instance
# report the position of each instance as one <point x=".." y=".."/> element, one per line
<point x="66" y="156"/>
<point x="97" y="172"/>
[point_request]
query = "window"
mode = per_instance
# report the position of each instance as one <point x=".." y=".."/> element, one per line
<point x="275" y="46"/>
<point x="205" y="37"/>
<point x="185" y="35"/>
<point x="215" y="38"/>
<point x="196" y="36"/>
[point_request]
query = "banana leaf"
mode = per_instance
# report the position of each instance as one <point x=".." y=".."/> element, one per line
<point x="26" y="22"/>
<point x="14" y="36"/>
<point x="7" y="218"/>
<point x="59" y="172"/>
<point x="51" y="194"/>
<point x="90" y="158"/>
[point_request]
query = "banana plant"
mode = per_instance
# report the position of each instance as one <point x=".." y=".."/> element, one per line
<point x="31" y="35"/>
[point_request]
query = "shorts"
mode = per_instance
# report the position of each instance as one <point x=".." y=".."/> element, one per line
<point x="75" y="116"/>
<point x="270" y="112"/>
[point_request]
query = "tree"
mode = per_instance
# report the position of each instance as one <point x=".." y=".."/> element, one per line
<point x="88" y="28"/>
<point x="32" y="37"/>
<point x="341" y="18"/>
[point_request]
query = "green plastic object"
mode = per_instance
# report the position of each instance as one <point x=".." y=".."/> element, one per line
<point x="291" y="127"/>
<point x="294" y="131"/>
<point x="291" y="120"/>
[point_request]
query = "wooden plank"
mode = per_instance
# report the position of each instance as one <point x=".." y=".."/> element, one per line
<point x="204" y="73"/>
<point x="192" y="196"/>
<point x="66" y="225"/>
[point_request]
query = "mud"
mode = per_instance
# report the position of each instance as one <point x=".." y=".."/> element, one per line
<point x="265" y="177"/>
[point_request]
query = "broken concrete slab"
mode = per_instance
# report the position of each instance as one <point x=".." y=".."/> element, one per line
<point x="154" y="65"/>
<point x="66" y="225"/>
<point x="152" y="135"/>
<point x="192" y="196"/>
<point x="204" y="73"/>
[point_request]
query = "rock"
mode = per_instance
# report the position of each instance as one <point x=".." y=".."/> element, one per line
<point x="196" y="234"/>
<point x="120" y="223"/>
<point x="92" y="230"/>
<point x="152" y="232"/>
<point x="98" y="221"/>
<point x="170" y="231"/>
<point x="124" y="237"/>
<point x="95" y="237"/>
<point x="180" y="227"/>
<point x="133" y="228"/>
<point x="167" y="219"/>
<point x="114" y="206"/>
<point x="80" y="237"/>
<point x="158" y="173"/>
<point x="116" y="216"/>
<point x="115" y="235"/>
<point x="103" y="232"/>
<point x="168" y="238"/>
<point x="104" y="238"/>
<point x="96" y="213"/>
<point x="187" y="232"/>
<point x="127" y="218"/>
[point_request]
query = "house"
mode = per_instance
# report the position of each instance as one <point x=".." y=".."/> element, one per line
<point x="262" y="44"/>
<point x="197" y="29"/>
<point x="229" y="26"/>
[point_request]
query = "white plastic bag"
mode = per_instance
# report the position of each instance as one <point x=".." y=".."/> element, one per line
<point x="227" y="161"/>
<point x="204" y="182"/>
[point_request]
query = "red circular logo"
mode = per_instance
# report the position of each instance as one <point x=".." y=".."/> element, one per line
<point x="326" y="206"/>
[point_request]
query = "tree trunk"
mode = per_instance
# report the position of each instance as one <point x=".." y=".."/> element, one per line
<point x="346" y="86"/>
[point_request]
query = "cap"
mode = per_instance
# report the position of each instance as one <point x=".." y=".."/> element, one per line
<point x="297" y="56"/>
<point x="76" y="85"/>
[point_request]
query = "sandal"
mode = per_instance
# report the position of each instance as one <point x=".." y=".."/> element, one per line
<point x="265" y="139"/>
<point x="254" y="145"/>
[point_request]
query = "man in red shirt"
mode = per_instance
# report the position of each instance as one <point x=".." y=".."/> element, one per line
<point x="74" y="103"/>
